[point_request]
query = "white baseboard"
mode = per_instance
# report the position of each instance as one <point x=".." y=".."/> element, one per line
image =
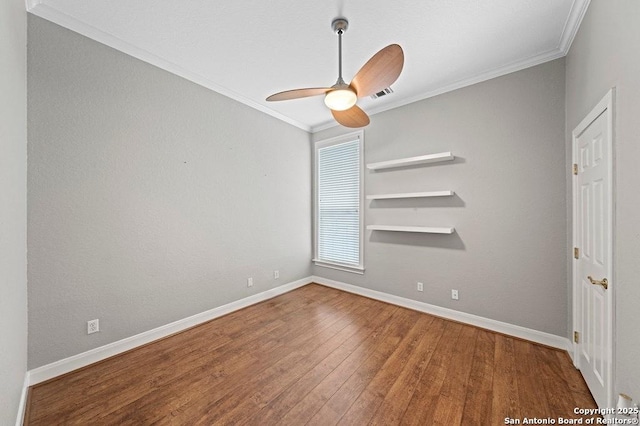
<point x="23" y="401"/>
<point x="571" y="350"/>
<point x="489" y="324"/>
<point x="67" y="365"/>
<point x="49" y="371"/>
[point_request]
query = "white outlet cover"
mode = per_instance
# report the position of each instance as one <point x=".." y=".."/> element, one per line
<point x="420" y="287"/>
<point x="93" y="326"/>
<point x="249" y="282"/>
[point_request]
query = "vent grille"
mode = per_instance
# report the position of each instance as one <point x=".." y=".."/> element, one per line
<point x="383" y="92"/>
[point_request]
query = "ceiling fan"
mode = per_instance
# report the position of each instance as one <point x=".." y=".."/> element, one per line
<point x="377" y="74"/>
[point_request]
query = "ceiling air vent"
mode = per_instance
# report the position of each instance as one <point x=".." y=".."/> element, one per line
<point x="383" y="92"/>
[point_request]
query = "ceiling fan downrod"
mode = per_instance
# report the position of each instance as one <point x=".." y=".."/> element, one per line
<point x="339" y="26"/>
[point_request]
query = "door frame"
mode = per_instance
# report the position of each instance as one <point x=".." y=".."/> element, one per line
<point x="605" y="106"/>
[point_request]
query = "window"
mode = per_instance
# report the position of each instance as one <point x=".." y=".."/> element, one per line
<point x="338" y="202"/>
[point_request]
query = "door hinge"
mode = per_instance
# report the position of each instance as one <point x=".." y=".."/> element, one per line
<point x="576" y="252"/>
<point x="576" y="337"/>
<point x="575" y="169"/>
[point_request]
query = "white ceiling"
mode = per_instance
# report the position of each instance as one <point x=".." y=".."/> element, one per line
<point x="249" y="49"/>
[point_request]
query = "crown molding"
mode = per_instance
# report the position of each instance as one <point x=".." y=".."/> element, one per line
<point x="31" y="4"/>
<point x="36" y="7"/>
<point x="571" y="26"/>
<point x="498" y="72"/>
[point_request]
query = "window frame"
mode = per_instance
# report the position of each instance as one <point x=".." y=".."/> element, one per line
<point x="348" y="137"/>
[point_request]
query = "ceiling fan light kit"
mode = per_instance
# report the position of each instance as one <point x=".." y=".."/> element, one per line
<point x="340" y="99"/>
<point x="376" y="75"/>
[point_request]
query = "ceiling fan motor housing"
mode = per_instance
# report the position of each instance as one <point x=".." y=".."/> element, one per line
<point x="339" y="25"/>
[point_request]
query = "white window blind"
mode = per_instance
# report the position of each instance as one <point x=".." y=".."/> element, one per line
<point x="338" y="203"/>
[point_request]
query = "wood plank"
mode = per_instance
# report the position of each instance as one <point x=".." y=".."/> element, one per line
<point x="478" y="398"/>
<point x="556" y="388"/>
<point x="397" y="399"/>
<point x="579" y="392"/>
<point x="365" y="406"/>
<point x="175" y="346"/>
<point x="349" y="390"/>
<point x="531" y="396"/>
<point x="422" y="405"/>
<point x="214" y="360"/>
<point x="505" y="401"/>
<point x="268" y="347"/>
<point x="301" y="363"/>
<point x="319" y="356"/>
<point x="274" y="411"/>
<point x="450" y="405"/>
<point x="280" y="374"/>
<point x="308" y="405"/>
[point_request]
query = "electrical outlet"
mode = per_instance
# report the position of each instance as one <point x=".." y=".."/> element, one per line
<point x="93" y="326"/>
<point x="454" y="294"/>
<point x="276" y="275"/>
<point x="420" y="287"/>
<point x="249" y="282"/>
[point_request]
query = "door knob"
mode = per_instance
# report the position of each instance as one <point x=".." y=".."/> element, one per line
<point x="603" y="282"/>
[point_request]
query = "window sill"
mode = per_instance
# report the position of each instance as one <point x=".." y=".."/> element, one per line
<point x="340" y="267"/>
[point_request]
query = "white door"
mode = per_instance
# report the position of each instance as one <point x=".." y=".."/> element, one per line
<point x="593" y="284"/>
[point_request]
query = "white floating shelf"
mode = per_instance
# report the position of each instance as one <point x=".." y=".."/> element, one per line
<point x="422" y="229"/>
<point x="411" y="195"/>
<point x="411" y="161"/>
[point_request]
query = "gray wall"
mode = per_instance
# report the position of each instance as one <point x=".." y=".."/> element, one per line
<point x="605" y="54"/>
<point x="13" y="206"/>
<point x="150" y="198"/>
<point x="507" y="258"/>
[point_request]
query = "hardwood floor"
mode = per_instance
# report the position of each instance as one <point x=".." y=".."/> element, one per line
<point x="319" y="356"/>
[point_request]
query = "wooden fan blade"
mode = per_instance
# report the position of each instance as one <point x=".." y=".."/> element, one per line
<point x="379" y="72"/>
<point x="298" y="93"/>
<point x="352" y="117"/>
